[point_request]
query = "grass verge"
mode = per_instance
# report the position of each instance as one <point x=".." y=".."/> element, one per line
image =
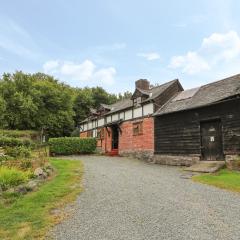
<point x="31" y="216"/>
<point x="225" y="179"/>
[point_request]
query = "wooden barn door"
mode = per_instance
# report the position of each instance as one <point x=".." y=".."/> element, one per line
<point x="211" y="140"/>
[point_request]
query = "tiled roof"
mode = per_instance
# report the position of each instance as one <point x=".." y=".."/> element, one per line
<point x="205" y="95"/>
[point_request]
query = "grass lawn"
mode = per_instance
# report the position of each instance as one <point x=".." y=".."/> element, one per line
<point x="30" y="216"/>
<point x="225" y="179"/>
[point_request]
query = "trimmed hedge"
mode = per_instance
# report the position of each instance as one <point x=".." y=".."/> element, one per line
<point x="13" y="142"/>
<point x="72" y="145"/>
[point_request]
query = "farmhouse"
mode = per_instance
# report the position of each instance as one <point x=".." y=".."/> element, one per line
<point x="199" y="124"/>
<point x="127" y="127"/>
<point x="170" y="125"/>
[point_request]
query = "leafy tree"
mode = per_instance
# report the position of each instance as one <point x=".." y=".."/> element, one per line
<point x="82" y="104"/>
<point x="2" y="112"/>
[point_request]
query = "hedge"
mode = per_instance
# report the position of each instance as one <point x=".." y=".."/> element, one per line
<point x="13" y="142"/>
<point x="72" y="145"/>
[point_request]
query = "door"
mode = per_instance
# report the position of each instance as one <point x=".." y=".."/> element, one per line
<point x="211" y="140"/>
<point x="115" y="135"/>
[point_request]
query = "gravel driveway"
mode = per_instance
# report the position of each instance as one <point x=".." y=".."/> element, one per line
<point x="130" y="199"/>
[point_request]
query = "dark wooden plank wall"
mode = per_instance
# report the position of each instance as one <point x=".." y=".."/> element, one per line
<point x="179" y="133"/>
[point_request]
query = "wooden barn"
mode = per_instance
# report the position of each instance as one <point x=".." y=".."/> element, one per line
<point x="199" y="124"/>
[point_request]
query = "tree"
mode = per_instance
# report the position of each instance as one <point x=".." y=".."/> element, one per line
<point x="2" y="112"/>
<point x="82" y="104"/>
<point x="37" y="101"/>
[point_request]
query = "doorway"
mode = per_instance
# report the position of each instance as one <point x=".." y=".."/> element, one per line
<point x="211" y="140"/>
<point x="115" y="137"/>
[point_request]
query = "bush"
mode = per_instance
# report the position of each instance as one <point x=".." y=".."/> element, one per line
<point x="20" y="134"/>
<point x="11" y="177"/>
<point x="5" y="158"/>
<point x="12" y="142"/>
<point x="18" y="152"/>
<point x="72" y="145"/>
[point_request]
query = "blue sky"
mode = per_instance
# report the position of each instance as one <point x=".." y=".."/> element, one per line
<point x="112" y="43"/>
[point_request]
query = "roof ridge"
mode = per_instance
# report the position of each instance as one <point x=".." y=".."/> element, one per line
<point x="176" y="79"/>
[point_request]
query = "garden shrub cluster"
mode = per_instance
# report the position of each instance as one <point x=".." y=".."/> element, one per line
<point x="30" y="134"/>
<point x="72" y="145"/>
<point x="18" y="152"/>
<point x="11" y="177"/>
<point x="13" y="142"/>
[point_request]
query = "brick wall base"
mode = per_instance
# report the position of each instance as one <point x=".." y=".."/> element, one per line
<point x="176" y="160"/>
<point x="146" y="155"/>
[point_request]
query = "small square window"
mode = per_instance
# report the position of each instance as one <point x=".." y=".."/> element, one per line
<point x="137" y="128"/>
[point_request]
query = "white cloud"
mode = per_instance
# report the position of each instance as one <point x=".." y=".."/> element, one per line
<point x="215" y="50"/>
<point x="149" y="56"/>
<point x="50" y="66"/>
<point x="191" y="63"/>
<point x="79" y="73"/>
<point x="224" y="46"/>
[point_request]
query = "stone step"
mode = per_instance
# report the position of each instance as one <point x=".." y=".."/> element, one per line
<point x="206" y="166"/>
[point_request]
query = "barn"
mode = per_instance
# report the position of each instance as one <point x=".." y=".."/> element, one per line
<point x="199" y="124"/>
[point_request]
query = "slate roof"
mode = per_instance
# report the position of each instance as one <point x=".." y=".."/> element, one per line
<point x="128" y="103"/>
<point x="205" y="95"/>
<point x="152" y="93"/>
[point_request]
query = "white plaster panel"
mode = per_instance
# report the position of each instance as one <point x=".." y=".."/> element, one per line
<point x="148" y="109"/>
<point x="100" y="122"/>
<point x="137" y="112"/>
<point x="115" y="117"/>
<point x="128" y="114"/>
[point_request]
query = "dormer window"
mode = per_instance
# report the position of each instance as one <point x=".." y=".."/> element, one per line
<point x="137" y="101"/>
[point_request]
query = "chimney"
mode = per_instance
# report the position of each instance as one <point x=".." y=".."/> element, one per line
<point x="142" y="84"/>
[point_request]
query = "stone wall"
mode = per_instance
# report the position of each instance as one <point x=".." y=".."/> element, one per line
<point x="233" y="162"/>
<point x="176" y="160"/>
<point x="146" y="155"/>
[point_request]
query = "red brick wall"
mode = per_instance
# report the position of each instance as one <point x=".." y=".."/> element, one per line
<point x="83" y="134"/>
<point x="128" y="142"/>
<point x="145" y="141"/>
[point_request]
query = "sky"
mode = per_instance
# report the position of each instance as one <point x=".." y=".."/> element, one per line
<point x="112" y="43"/>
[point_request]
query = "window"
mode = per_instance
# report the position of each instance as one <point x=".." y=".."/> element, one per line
<point x="100" y="133"/>
<point x="137" y="128"/>
<point x="137" y="101"/>
<point x="90" y="133"/>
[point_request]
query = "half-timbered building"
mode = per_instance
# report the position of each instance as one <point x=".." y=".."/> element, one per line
<point x="127" y="126"/>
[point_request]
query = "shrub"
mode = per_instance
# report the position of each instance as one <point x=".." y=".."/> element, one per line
<point x="20" y="134"/>
<point x="11" y="177"/>
<point x="72" y="145"/>
<point x="12" y="142"/>
<point x="5" y="158"/>
<point x="18" y="152"/>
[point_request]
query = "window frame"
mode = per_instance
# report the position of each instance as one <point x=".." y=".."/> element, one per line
<point x="138" y="128"/>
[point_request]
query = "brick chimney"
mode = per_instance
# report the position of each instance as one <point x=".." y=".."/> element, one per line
<point x="142" y="84"/>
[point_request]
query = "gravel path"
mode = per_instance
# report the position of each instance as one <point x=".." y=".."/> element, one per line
<point x="129" y="199"/>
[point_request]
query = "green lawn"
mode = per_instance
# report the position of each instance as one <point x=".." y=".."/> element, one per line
<point x="30" y="216"/>
<point x="225" y="179"/>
